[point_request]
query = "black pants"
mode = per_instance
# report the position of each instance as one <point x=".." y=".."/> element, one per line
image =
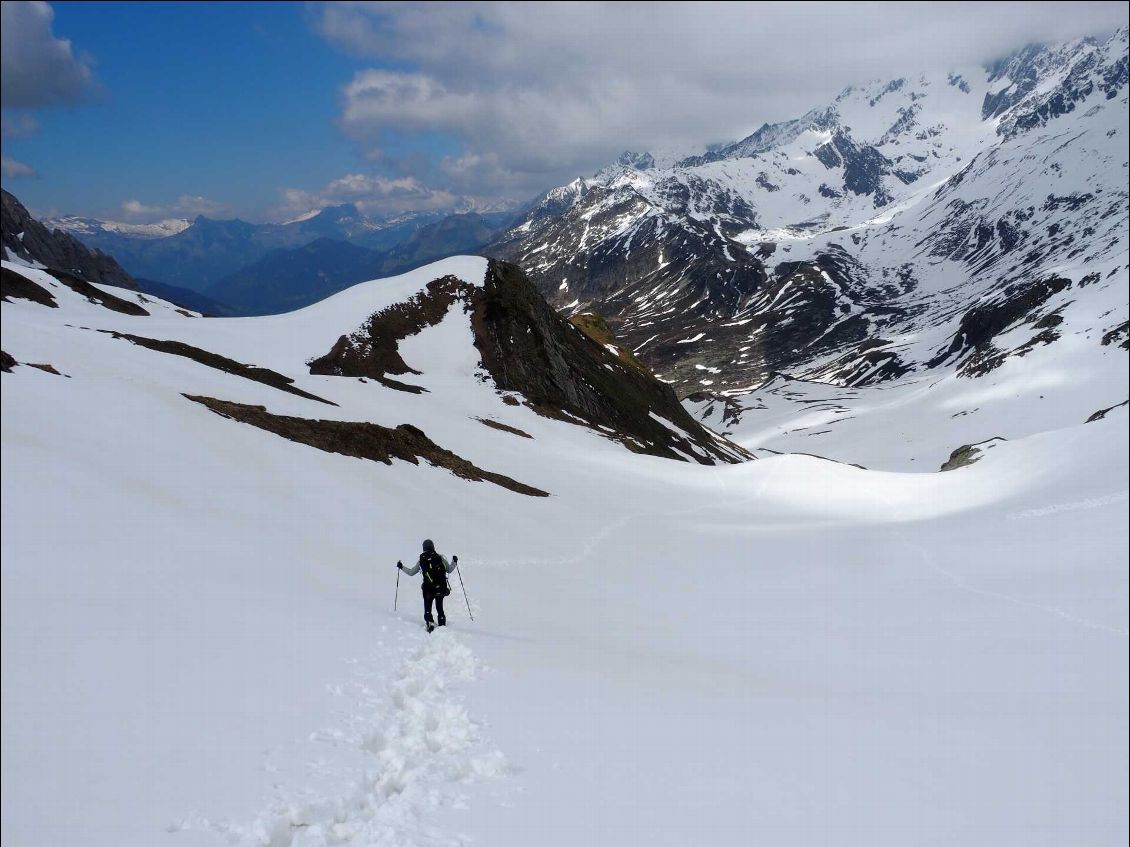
<point x="431" y="594"/>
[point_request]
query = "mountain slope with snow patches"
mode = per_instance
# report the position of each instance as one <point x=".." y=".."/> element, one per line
<point x="859" y="242"/>
<point x="201" y="519"/>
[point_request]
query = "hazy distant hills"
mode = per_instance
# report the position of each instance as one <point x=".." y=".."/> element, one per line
<point x="290" y="278"/>
<point x="236" y="267"/>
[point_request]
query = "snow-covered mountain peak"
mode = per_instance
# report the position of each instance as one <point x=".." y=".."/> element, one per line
<point x="81" y="227"/>
<point x="887" y="214"/>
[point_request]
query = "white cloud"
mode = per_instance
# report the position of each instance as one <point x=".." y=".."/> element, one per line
<point x="137" y="209"/>
<point x="18" y="125"/>
<point x="187" y="205"/>
<point x="39" y="69"/>
<point x="538" y="93"/>
<point x="16" y="170"/>
<point x="370" y="193"/>
<point x="190" y="205"/>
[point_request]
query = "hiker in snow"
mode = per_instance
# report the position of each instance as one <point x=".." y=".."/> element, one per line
<point x="435" y="587"/>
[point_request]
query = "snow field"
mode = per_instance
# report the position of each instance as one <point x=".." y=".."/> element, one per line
<point x="199" y="644"/>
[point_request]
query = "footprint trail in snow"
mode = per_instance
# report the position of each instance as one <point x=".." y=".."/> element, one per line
<point x="416" y="745"/>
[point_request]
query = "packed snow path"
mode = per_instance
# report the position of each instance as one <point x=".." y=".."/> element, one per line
<point x="401" y="753"/>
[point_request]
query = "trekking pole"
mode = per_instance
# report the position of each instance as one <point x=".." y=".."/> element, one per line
<point x="464" y="587"/>
<point x="396" y="596"/>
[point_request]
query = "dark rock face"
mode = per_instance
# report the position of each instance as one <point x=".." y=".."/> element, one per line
<point x="1119" y="335"/>
<point x="982" y="323"/>
<point x="27" y="238"/>
<point x="1022" y="69"/>
<point x="863" y="165"/>
<point x="17" y="286"/>
<point x="969" y="454"/>
<point x="868" y="363"/>
<point x="655" y="284"/>
<point x="692" y="303"/>
<point x="957" y="81"/>
<point x="1026" y="69"/>
<point x="527" y="348"/>
<point x="1102" y="413"/>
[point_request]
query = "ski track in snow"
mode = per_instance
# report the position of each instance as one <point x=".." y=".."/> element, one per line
<point x="952" y="577"/>
<point x="417" y="745"/>
<point x="965" y="585"/>
<point x="1092" y="503"/>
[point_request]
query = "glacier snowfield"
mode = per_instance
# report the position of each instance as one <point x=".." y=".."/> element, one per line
<point x="200" y="646"/>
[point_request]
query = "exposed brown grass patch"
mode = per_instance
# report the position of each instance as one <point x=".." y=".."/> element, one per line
<point x="513" y="430"/>
<point x="597" y="328"/>
<point x="372" y="351"/>
<point x="221" y="363"/>
<point x="363" y="440"/>
<point x="43" y="367"/>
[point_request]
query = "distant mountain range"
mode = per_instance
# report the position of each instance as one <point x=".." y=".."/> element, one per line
<point x="236" y="267"/>
<point x="290" y="278"/>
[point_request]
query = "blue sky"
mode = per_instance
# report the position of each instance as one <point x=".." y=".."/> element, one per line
<point x="225" y="101"/>
<point x="139" y="111"/>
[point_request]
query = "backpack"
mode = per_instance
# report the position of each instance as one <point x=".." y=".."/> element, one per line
<point x="435" y="574"/>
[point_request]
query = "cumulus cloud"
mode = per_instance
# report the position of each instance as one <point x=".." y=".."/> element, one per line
<point x="16" y="170"/>
<point x="190" y="205"/>
<point x="137" y="209"/>
<point x="39" y="69"/>
<point x="372" y="194"/>
<point x="185" y="206"/>
<point x="538" y="93"/>
<point x="18" y="125"/>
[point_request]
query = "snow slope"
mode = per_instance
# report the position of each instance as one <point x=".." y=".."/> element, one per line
<point x="915" y="422"/>
<point x="200" y="646"/>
